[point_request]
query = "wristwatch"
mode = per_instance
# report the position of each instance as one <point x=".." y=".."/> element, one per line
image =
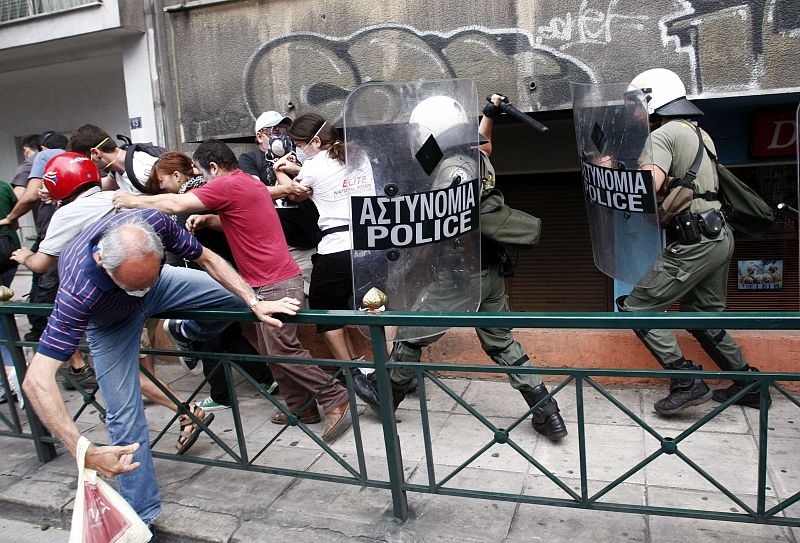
<point x="254" y="301"/>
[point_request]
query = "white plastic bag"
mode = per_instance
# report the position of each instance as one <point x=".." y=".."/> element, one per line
<point x="101" y="515"/>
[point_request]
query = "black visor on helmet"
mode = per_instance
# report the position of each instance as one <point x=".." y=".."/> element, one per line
<point x="679" y="108"/>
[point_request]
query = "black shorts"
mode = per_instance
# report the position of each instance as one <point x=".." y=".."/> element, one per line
<point x="331" y="285"/>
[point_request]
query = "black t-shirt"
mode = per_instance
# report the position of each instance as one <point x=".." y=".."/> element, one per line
<point x="299" y="221"/>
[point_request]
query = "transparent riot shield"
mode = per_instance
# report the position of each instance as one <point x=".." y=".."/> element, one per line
<point x="416" y="241"/>
<point x="612" y="131"/>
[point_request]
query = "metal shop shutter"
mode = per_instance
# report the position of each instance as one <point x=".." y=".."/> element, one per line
<point x="558" y="274"/>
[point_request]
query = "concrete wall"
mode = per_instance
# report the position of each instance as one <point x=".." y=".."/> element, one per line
<point x="233" y="60"/>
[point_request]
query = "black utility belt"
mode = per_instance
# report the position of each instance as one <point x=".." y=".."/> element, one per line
<point x="688" y="228"/>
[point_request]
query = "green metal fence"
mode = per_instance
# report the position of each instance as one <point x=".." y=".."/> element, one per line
<point x="240" y="456"/>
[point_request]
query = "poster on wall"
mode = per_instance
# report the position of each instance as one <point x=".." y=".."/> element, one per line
<point x="760" y="274"/>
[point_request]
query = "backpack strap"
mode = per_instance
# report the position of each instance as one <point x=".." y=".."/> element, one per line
<point x="695" y="167"/>
<point x="129" y="150"/>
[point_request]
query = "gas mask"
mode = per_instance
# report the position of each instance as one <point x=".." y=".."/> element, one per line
<point x="278" y="146"/>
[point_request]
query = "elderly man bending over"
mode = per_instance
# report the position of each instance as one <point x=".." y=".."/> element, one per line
<point x="112" y="278"/>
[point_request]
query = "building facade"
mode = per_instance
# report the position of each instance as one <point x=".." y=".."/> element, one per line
<point x="178" y="72"/>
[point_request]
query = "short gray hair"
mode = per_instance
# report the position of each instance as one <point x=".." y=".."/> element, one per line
<point x="116" y="246"/>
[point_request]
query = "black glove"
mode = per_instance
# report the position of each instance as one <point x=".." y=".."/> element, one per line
<point x="490" y="110"/>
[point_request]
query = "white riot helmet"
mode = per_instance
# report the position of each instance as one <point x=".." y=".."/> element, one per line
<point x="665" y="93"/>
<point x="439" y="116"/>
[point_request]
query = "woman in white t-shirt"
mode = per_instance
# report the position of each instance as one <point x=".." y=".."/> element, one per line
<point x="332" y="183"/>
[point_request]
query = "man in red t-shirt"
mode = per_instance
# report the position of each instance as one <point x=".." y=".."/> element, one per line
<point x="248" y="217"/>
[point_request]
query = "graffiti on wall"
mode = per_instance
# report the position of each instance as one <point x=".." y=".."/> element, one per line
<point x="396" y="52"/>
<point x="578" y="40"/>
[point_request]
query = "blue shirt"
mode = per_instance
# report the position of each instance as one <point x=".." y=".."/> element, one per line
<point x="88" y="295"/>
<point x="40" y="161"/>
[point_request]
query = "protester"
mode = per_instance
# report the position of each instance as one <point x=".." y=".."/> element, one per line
<point x="331" y="183"/>
<point x="8" y="268"/>
<point x="95" y="143"/>
<point x="74" y="182"/>
<point x="298" y="219"/>
<point x="250" y="222"/>
<point x="112" y="279"/>
<point x="44" y="283"/>
<point x="175" y="173"/>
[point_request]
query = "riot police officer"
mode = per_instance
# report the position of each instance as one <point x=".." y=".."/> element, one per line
<point x="699" y="245"/>
<point x="497" y="342"/>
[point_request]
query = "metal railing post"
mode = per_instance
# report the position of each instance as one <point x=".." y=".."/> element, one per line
<point x="394" y="458"/>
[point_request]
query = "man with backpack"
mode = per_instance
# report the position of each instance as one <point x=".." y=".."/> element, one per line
<point x="699" y="245"/>
<point x="126" y="168"/>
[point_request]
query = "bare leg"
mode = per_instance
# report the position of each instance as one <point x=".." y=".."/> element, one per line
<point x="338" y="342"/>
<point x="151" y="391"/>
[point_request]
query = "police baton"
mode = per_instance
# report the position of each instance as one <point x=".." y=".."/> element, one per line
<point x="520" y="116"/>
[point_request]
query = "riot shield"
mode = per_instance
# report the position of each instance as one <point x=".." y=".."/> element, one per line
<point x="416" y="241"/>
<point x="612" y="131"/>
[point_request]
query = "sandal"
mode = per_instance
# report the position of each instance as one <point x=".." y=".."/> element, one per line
<point x="190" y="431"/>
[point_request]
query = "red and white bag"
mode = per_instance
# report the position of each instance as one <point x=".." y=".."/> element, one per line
<point x="101" y="515"/>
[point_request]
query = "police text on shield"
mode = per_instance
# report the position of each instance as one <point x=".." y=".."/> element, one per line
<point x="623" y="190"/>
<point x="410" y="220"/>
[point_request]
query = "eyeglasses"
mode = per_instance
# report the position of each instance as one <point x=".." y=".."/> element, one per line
<point x="271" y="130"/>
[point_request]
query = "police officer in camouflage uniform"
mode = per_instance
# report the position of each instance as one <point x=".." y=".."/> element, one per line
<point x="498" y="343"/>
<point x="698" y="252"/>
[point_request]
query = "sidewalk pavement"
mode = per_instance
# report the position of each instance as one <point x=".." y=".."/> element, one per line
<point x="202" y="503"/>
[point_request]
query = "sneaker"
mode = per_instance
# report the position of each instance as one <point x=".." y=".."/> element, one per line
<point x="13" y="382"/>
<point x="680" y="397"/>
<point x="173" y="329"/>
<point x="210" y="405"/>
<point x="85" y="376"/>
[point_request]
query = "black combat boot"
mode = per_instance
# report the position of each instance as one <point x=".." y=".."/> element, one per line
<point x="751" y="399"/>
<point x="684" y="392"/>
<point x="546" y="419"/>
<point x="366" y="388"/>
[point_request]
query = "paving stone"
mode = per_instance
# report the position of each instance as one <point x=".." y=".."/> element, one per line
<point x="436" y="398"/>
<point x="463" y="435"/>
<point x="334" y="506"/>
<point x="722" y="456"/>
<point x="671" y="529"/>
<point x="559" y="524"/>
<point x="179" y="523"/>
<point x="26" y="532"/>
<point x="409" y="430"/>
<point x="238" y="493"/>
<point x="598" y="409"/>
<point x="783" y="465"/>
<point x="623" y="444"/>
<point x="257" y="531"/>
<point x="784" y="417"/>
<point x="38" y="501"/>
<point x="438" y="517"/>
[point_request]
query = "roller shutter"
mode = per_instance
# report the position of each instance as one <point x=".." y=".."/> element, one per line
<point x="558" y="274"/>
